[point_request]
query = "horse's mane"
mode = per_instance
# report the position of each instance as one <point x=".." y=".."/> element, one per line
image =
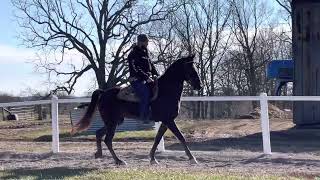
<point x="174" y="67"/>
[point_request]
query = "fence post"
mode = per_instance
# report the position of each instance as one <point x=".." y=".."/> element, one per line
<point x="160" y="147"/>
<point x="265" y="123"/>
<point x="55" y="124"/>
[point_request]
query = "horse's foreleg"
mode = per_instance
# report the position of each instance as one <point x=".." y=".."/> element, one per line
<point x="111" y="129"/>
<point x="173" y="127"/>
<point x="163" y="128"/>
<point x="99" y="135"/>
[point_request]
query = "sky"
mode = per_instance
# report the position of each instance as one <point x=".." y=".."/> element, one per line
<point x="17" y="74"/>
<point x="14" y="72"/>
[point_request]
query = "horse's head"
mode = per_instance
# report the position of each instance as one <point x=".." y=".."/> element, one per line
<point x="190" y="73"/>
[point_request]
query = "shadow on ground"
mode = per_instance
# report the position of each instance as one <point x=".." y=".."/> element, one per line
<point x="50" y="173"/>
<point x="287" y="141"/>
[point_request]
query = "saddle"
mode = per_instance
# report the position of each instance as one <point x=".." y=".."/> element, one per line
<point x="127" y="93"/>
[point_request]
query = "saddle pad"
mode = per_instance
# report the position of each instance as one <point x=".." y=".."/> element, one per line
<point x="127" y="94"/>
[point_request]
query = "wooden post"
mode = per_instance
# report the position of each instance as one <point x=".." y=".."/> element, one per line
<point x="265" y="129"/>
<point x="55" y="124"/>
<point x="160" y="147"/>
<point x="306" y="55"/>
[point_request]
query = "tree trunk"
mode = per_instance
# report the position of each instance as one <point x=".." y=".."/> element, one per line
<point x="101" y="76"/>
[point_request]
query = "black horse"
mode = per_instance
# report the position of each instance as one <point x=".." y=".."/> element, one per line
<point x="165" y="108"/>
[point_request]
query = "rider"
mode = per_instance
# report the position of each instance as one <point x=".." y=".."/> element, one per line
<point x="142" y="71"/>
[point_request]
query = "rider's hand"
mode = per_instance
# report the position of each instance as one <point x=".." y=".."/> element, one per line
<point x="149" y="80"/>
<point x="154" y="77"/>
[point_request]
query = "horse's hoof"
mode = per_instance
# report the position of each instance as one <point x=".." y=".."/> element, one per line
<point x="98" y="155"/>
<point x="193" y="161"/>
<point x="154" y="162"/>
<point x="120" y="163"/>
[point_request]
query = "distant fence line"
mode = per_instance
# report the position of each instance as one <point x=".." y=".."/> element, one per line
<point x="263" y="99"/>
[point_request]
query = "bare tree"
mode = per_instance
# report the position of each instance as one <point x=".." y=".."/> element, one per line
<point x="99" y="30"/>
<point x="286" y="4"/>
<point x="230" y="77"/>
<point x="247" y="18"/>
<point x="211" y="39"/>
<point x="233" y="71"/>
<point x="165" y="46"/>
<point x="286" y="13"/>
<point x="197" y="27"/>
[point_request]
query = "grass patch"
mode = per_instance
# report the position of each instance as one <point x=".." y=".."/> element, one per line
<point x="51" y="173"/>
<point x="45" y="134"/>
<point x="7" y="123"/>
<point x="147" y="135"/>
<point x="129" y="174"/>
<point x="40" y="131"/>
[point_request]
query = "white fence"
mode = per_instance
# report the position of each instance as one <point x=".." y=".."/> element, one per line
<point x="263" y="99"/>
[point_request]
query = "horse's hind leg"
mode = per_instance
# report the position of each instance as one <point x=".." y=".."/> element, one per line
<point x="173" y="127"/>
<point x="99" y="135"/>
<point x="163" y="128"/>
<point x="111" y="129"/>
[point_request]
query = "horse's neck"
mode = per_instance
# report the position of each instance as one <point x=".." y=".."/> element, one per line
<point x="171" y="86"/>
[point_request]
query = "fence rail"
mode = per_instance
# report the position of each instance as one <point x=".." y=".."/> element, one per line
<point x="25" y="103"/>
<point x="263" y="99"/>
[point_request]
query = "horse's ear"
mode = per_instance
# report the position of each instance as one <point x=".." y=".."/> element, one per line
<point x="190" y="58"/>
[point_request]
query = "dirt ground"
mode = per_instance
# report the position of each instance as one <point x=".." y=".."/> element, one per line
<point x="219" y="145"/>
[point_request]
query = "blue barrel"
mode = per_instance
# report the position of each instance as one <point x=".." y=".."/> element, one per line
<point x="280" y="69"/>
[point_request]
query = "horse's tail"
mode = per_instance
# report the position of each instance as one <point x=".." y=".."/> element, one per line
<point x="84" y="123"/>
